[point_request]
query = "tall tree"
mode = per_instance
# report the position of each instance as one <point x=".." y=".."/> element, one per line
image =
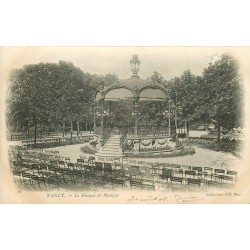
<point x="48" y="93"/>
<point x="222" y="92"/>
<point x="29" y="96"/>
<point x="183" y="92"/>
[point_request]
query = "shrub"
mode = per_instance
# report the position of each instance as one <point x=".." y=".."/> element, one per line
<point x="87" y="150"/>
<point x="93" y="143"/>
<point x="224" y="145"/>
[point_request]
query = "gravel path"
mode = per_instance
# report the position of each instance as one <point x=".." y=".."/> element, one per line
<point x="202" y="157"/>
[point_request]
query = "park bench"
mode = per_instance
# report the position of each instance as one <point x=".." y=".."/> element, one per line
<point x="219" y="171"/>
<point x="198" y="169"/>
<point x="194" y="182"/>
<point x="176" y="180"/>
<point x="166" y="174"/>
<point x="139" y="184"/>
<point x="230" y="172"/>
<point x="226" y="178"/>
<point x="190" y="173"/>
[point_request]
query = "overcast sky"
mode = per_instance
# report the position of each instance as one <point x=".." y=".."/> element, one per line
<point x="168" y="61"/>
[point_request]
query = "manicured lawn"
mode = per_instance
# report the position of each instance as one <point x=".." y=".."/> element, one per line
<point x="223" y="145"/>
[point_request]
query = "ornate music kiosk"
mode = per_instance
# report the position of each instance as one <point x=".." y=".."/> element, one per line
<point x="135" y="90"/>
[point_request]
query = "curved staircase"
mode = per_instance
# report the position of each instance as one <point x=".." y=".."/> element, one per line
<point x="111" y="148"/>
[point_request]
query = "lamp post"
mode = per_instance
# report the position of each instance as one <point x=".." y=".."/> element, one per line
<point x="167" y="114"/>
<point x="102" y="116"/>
<point x="95" y="109"/>
<point x="172" y="108"/>
<point x="110" y="113"/>
<point x="175" y="118"/>
<point x="135" y="66"/>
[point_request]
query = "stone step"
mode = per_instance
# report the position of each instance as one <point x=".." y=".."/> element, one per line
<point x="116" y="141"/>
<point x="109" y="155"/>
<point x="112" y="145"/>
<point x="110" y="150"/>
<point x="117" y="144"/>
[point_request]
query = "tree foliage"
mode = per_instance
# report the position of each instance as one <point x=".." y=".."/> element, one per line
<point x="215" y="97"/>
<point x="58" y="93"/>
<point x="52" y="93"/>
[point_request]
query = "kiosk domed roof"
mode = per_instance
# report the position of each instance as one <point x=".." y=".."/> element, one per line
<point x="134" y="88"/>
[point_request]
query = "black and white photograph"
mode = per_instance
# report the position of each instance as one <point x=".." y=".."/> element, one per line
<point x="125" y="124"/>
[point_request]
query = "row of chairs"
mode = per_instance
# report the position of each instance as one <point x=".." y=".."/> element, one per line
<point x="71" y="176"/>
<point x="197" y="171"/>
<point x="92" y="174"/>
<point x="34" y="155"/>
<point x="54" y="142"/>
<point x="47" y="169"/>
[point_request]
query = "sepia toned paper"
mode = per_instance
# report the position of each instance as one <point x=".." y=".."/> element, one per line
<point x="170" y="62"/>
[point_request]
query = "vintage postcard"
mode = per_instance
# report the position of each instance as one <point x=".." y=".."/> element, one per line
<point x="156" y="125"/>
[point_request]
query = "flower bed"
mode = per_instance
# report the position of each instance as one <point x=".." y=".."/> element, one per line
<point x="158" y="154"/>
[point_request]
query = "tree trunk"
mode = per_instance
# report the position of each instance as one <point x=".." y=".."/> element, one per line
<point x="41" y="131"/>
<point x="175" y="120"/>
<point x="64" y="129"/>
<point x="35" y="134"/>
<point x="219" y="131"/>
<point x="169" y="122"/>
<point x="49" y="130"/>
<point x="187" y="130"/>
<point x="28" y="129"/>
<point x="78" y="128"/>
<point x="94" y="118"/>
<point x="71" y="130"/>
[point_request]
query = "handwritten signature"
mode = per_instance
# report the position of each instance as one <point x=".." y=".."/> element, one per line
<point x="186" y="200"/>
<point x="148" y="199"/>
<point x="179" y="199"/>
